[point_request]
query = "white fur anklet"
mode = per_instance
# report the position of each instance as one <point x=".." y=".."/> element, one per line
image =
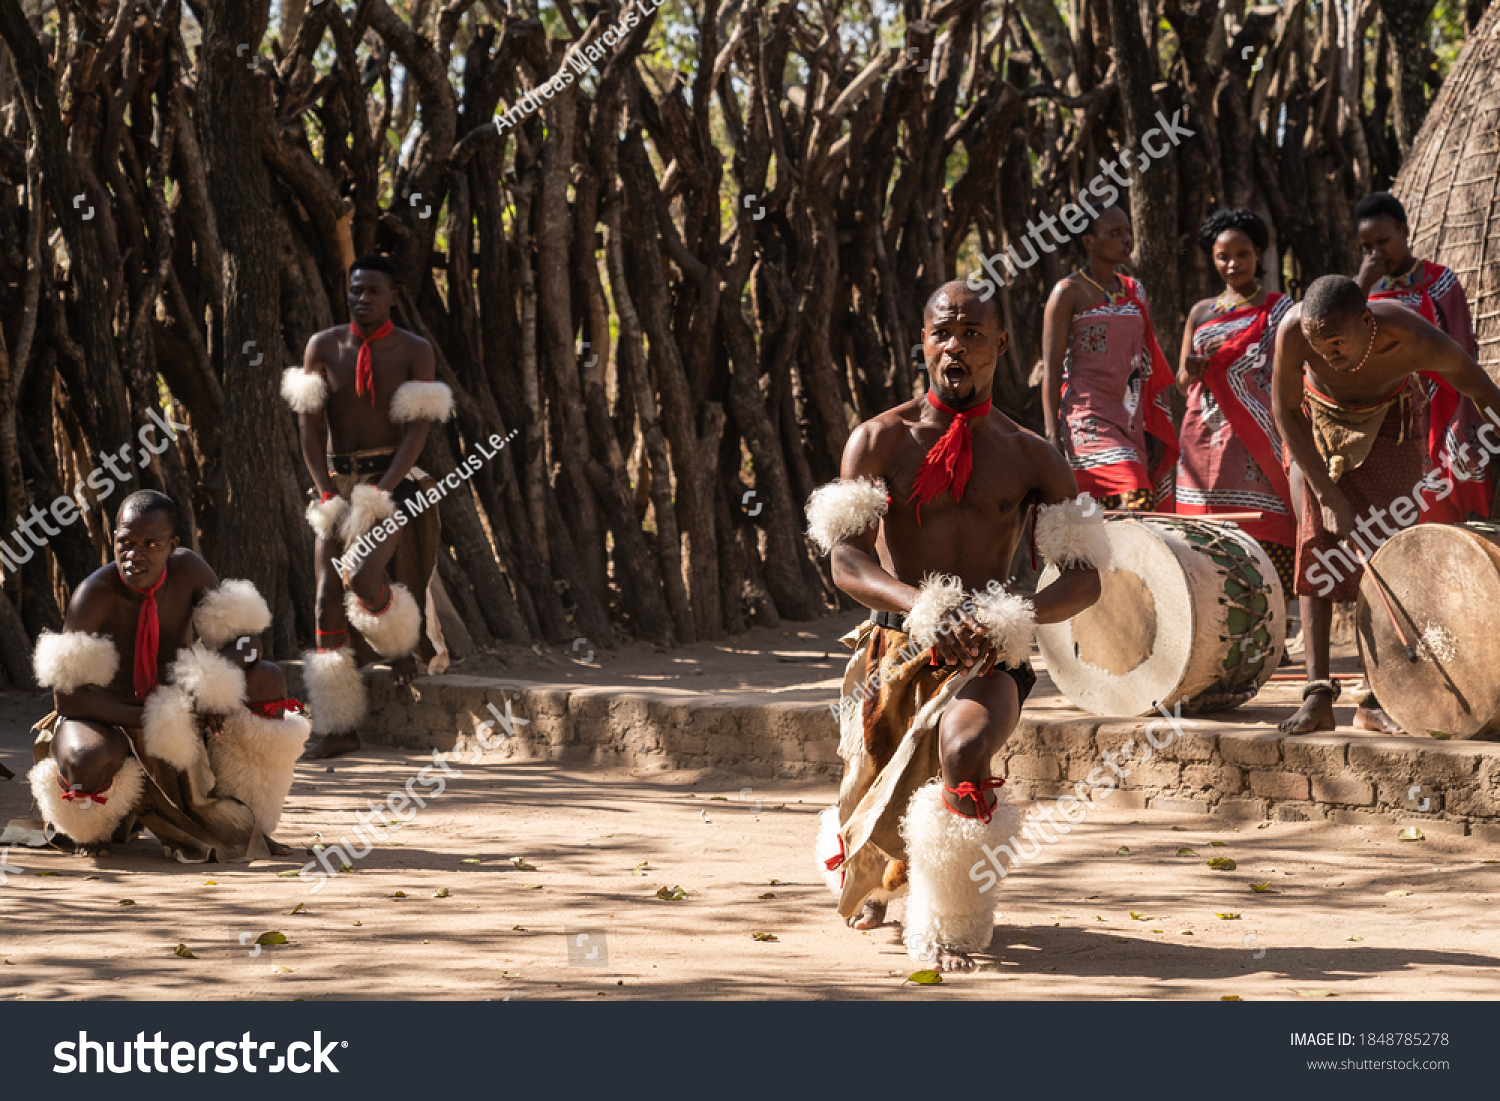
<point x="844" y="507"/>
<point x="335" y="690"/>
<point x="938" y="597"/>
<point x="254" y="761"/>
<point x="84" y="820"/>
<point x="1071" y="533"/>
<point x="392" y="633"/>
<point x="948" y="857"/>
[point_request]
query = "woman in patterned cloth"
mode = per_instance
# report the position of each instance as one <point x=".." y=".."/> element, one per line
<point x="1106" y="377"/>
<point x="1231" y="457"/>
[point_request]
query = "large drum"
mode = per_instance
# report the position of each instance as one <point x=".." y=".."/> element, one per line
<point x="1191" y="612"/>
<point x="1443" y="585"/>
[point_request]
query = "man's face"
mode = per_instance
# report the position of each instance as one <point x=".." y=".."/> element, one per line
<point x="1340" y="341"/>
<point x="1384" y="239"/>
<point x="143" y="543"/>
<point x="961" y="342"/>
<point x="370" y="296"/>
<point x="1111" y="240"/>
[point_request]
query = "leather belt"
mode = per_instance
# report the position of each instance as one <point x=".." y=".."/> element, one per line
<point x="360" y="464"/>
<point x="894" y="620"/>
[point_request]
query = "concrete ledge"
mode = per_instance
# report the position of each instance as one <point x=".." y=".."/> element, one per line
<point x="1227" y="770"/>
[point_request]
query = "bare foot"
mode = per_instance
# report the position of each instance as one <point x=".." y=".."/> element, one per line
<point x="951" y="959"/>
<point x="92" y="848"/>
<point x="1375" y="718"/>
<point x="1316" y="713"/>
<point x="333" y="745"/>
<point x="403" y="669"/>
<point x="871" y="917"/>
<point x="277" y="848"/>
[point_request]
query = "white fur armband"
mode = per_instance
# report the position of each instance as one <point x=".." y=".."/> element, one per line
<point x="421" y="401"/>
<point x="368" y="506"/>
<point x="303" y="391"/>
<point x="216" y="685"/>
<point x="1011" y="623"/>
<point x="232" y="610"/>
<point x="324" y="517"/>
<point x="70" y="660"/>
<point x="938" y="597"/>
<point x="168" y="730"/>
<point x="1071" y="533"/>
<point x="843" y="508"/>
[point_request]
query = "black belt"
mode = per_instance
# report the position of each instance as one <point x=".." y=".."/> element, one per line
<point x="894" y="620"/>
<point x="362" y="464"/>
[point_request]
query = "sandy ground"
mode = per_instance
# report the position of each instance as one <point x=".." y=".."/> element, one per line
<point x="1348" y="912"/>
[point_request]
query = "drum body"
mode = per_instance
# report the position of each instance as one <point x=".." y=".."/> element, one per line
<point x="1443" y="582"/>
<point x="1191" y="612"/>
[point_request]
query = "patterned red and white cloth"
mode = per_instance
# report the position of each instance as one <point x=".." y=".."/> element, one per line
<point x="1232" y="457"/>
<point x="1115" y="380"/>
<point x="1453" y="420"/>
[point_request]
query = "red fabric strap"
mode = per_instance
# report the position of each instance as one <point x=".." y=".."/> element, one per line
<point x="75" y="791"/>
<point x="968" y="790"/>
<point x="147" y="639"/>
<point x="951" y="460"/>
<point x="274" y="709"/>
<point x="382" y="602"/>
<point x="323" y="500"/>
<point x="364" y="366"/>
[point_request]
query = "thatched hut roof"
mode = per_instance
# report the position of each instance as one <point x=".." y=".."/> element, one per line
<point x="1450" y="184"/>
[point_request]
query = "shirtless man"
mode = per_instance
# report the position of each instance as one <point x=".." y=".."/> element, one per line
<point x="366" y="392"/>
<point x="933" y="499"/>
<point x="122" y="634"/>
<point x="1351" y="366"/>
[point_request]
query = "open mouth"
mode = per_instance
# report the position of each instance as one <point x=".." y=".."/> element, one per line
<point x="954" y="376"/>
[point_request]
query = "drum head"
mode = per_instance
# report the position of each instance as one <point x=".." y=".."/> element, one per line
<point x="1443" y="582"/>
<point x="1130" y="650"/>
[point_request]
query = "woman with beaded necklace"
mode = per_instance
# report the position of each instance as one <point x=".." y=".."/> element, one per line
<point x="1106" y="377"/>
<point x="1231" y="455"/>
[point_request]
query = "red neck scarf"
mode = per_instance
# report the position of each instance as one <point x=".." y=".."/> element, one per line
<point x="951" y="460"/>
<point x="364" y="367"/>
<point x="147" y="639"/>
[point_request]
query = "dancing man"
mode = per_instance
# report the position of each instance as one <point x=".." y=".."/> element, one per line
<point x="134" y="702"/>
<point x="1106" y="377"/>
<point x="365" y="397"/>
<point x="1348" y="400"/>
<point x="1389" y="270"/>
<point x="922" y="525"/>
<point x="1231" y="454"/>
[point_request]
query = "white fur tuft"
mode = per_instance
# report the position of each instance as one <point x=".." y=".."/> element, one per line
<point x="368" y="505"/>
<point x="1071" y="533"/>
<point x="394" y="632"/>
<point x="421" y="401"/>
<point x="304" y="392"/>
<point x="844" y="507"/>
<point x="83" y="820"/>
<point x="254" y="761"/>
<point x="827" y="847"/>
<point x="216" y="684"/>
<point x="168" y="731"/>
<point x="232" y="610"/>
<point x="938" y="597"/>
<point x="325" y="517"/>
<point x="946" y="907"/>
<point x="335" y="690"/>
<point x="1011" y="623"/>
<point x="68" y="661"/>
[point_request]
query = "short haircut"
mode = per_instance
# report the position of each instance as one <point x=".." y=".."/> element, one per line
<point x="960" y="289"/>
<point x="374" y="262"/>
<point x="144" y="503"/>
<point x="1377" y="203"/>
<point x="1333" y="298"/>
<point x="1246" y="221"/>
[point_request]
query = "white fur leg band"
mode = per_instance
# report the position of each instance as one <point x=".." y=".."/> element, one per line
<point x="843" y="508"/>
<point x="231" y="611"/>
<point x="254" y="761"/>
<point x="829" y="847"/>
<point x="421" y="401"/>
<point x="216" y="684"/>
<point x="938" y="597"/>
<point x="325" y="517"/>
<point x="168" y="730"/>
<point x="304" y="392"/>
<point x="393" y="631"/>
<point x="1071" y="533"/>
<point x="335" y="690"/>
<point x="948" y="862"/>
<point x="368" y="506"/>
<point x="68" y="661"/>
<point x="1011" y="623"/>
<point x="84" y="820"/>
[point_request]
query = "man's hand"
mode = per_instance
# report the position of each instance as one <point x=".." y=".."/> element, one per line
<point x="211" y="725"/>
<point x="1338" y="516"/>
<point x="967" y="644"/>
<point x="1371" y="270"/>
